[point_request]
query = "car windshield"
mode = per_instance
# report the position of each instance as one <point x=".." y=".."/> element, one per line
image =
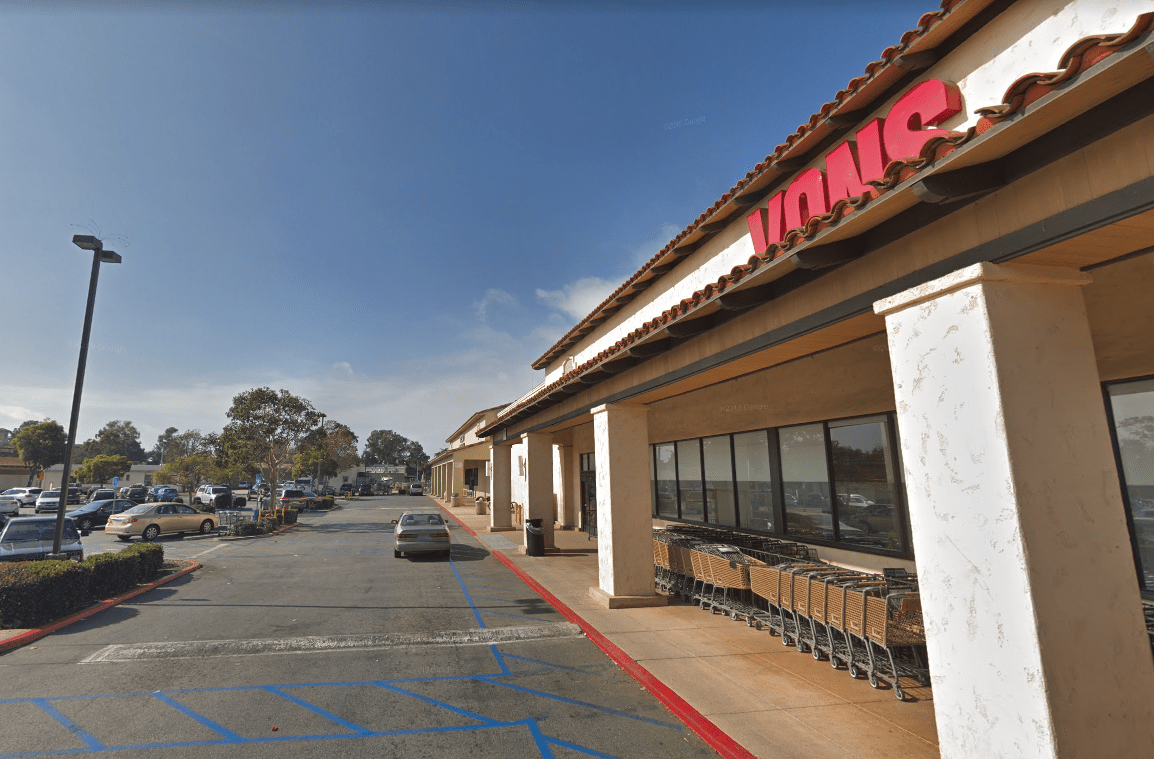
<point x="44" y="529"/>
<point x="51" y="494"/>
<point x="412" y="520"/>
<point x="12" y="491"/>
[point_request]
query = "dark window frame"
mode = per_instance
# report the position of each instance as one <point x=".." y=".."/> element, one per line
<point x="1128" y="509"/>
<point x="777" y="495"/>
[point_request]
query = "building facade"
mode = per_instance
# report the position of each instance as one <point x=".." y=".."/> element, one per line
<point x="917" y="335"/>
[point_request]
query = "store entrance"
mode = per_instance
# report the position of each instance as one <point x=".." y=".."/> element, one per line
<point x="588" y="495"/>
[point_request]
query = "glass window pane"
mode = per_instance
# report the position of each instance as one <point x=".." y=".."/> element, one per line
<point x="689" y="472"/>
<point x="1133" y="407"/>
<point x="754" y="481"/>
<point x="666" y="482"/>
<point x="719" y="481"/>
<point x="864" y="475"/>
<point x="805" y="481"/>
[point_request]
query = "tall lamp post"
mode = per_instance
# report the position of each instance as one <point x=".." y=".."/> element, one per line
<point x="99" y="256"/>
<point x="321" y="453"/>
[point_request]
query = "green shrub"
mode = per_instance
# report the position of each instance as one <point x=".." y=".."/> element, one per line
<point x="327" y="502"/>
<point x="110" y="574"/>
<point x="289" y="516"/>
<point x="34" y="593"/>
<point x="151" y="558"/>
<point x="245" y="529"/>
<point x="268" y="524"/>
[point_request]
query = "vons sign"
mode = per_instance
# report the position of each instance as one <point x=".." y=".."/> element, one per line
<point x="900" y="135"/>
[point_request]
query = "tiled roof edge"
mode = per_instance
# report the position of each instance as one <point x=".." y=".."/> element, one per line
<point x="1080" y="56"/>
<point x="925" y="23"/>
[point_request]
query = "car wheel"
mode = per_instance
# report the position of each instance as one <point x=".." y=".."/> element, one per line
<point x="396" y="554"/>
<point x="151" y="533"/>
<point x="206" y="527"/>
<point x="85" y="524"/>
<point x="196" y="500"/>
<point x="125" y="538"/>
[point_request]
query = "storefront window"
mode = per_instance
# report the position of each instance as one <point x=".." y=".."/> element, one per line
<point x="863" y="477"/>
<point x="689" y="480"/>
<point x="719" y="480"/>
<point x="1132" y="404"/>
<point x="666" y="482"/>
<point x="805" y="482"/>
<point x="754" y="480"/>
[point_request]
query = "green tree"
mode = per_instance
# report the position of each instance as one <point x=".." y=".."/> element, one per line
<point x="102" y="468"/>
<point x="39" y="446"/>
<point x="186" y="472"/>
<point x="388" y="447"/>
<point x="160" y="452"/>
<point x="329" y="449"/>
<point x="267" y="425"/>
<point x="117" y="438"/>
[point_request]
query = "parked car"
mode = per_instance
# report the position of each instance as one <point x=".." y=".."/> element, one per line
<point x="27" y="496"/>
<point x="327" y="490"/>
<point x="101" y="494"/>
<point x="243" y="485"/>
<point x="415" y="488"/>
<point x="364" y="489"/>
<point x="10" y="503"/>
<point x="257" y="491"/>
<point x="293" y="499"/>
<point x="134" y="493"/>
<point x="31" y="539"/>
<point x="419" y="532"/>
<point x="49" y="500"/>
<point x="97" y="513"/>
<point x="151" y="520"/>
<point x="206" y="494"/>
<point x="346" y="488"/>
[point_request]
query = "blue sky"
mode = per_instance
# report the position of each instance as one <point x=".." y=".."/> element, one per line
<point x="388" y="208"/>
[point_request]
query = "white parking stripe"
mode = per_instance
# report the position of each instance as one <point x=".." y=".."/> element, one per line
<point x="318" y="643"/>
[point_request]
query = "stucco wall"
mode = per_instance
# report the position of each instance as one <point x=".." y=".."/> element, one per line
<point x="851" y="380"/>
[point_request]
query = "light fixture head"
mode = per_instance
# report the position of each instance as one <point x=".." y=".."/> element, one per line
<point x="109" y="257"/>
<point x="88" y="242"/>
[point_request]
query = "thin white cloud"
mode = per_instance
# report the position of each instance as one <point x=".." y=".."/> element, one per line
<point x="493" y="295"/>
<point x="12" y="417"/>
<point x="344" y="367"/>
<point x="577" y="299"/>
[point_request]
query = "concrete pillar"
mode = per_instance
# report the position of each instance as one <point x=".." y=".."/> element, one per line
<point x="565" y="487"/>
<point x="1033" y="618"/>
<point x="539" y="472"/>
<point x="501" y="470"/>
<point x="624" y="521"/>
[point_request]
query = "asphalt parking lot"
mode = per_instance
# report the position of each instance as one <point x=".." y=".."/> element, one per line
<point x="320" y="639"/>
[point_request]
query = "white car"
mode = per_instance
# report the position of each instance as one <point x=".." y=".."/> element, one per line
<point x="49" y="500"/>
<point x="27" y="496"/>
<point x="9" y="503"/>
<point x="416" y="488"/>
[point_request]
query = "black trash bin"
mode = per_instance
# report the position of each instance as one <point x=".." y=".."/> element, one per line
<point x="534" y="538"/>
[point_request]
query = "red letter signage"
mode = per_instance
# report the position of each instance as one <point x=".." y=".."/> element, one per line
<point x="899" y="136"/>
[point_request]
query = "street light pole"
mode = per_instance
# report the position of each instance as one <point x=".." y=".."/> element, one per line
<point x="320" y="453"/>
<point x="99" y="255"/>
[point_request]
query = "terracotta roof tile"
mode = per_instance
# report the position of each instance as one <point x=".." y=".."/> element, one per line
<point x="925" y="23"/>
<point x="1079" y="57"/>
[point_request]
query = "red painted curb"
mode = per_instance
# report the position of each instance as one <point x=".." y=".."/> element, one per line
<point x="34" y="635"/>
<point x="695" y="720"/>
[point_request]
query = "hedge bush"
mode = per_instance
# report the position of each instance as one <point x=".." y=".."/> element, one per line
<point x="324" y="503"/>
<point x="245" y="529"/>
<point x="33" y="593"/>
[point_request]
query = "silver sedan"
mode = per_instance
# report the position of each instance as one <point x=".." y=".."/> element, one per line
<point x="420" y="532"/>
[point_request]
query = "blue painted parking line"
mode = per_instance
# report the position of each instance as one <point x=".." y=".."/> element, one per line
<point x="583" y="704"/>
<point x="216" y="727"/>
<point x="317" y="710"/>
<point x="87" y="738"/>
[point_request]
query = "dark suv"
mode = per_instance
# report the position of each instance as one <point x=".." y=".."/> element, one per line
<point x="135" y="493"/>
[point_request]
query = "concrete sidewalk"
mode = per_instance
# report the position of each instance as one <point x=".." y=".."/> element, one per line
<point x="771" y="699"/>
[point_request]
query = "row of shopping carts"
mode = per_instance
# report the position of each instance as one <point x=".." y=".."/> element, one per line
<point x="870" y="624"/>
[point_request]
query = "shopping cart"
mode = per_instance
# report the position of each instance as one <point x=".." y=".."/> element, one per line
<point x="896" y="638"/>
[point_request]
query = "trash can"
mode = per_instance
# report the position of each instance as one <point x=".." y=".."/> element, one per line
<point x="479" y="506"/>
<point x="534" y="538"/>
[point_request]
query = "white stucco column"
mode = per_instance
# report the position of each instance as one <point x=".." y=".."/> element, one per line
<point x="624" y="506"/>
<point x="501" y="473"/>
<point x="564" y="487"/>
<point x="1033" y="618"/>
<point x="539" y="475"/>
